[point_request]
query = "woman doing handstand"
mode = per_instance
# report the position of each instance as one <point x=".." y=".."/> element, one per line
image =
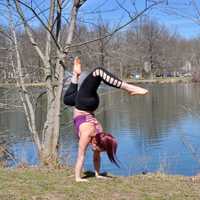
<point x="88" y="129"/>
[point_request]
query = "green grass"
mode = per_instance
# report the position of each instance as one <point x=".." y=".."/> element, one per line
<point x="41" y="184"/>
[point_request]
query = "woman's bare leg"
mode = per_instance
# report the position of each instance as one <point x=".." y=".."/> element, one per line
<point x="133" y="90"/>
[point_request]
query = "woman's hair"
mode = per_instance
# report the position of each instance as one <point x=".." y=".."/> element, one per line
<point x="109" y="144"/>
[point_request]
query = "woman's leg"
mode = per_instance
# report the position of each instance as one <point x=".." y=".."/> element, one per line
<point x="87" y="98"/>
<point x="133" y="90"/>
<point x="91" y="83"/>
<point x="71" y="92"/>
<point x="113" y="81"/>
<point x="107" y="77"/>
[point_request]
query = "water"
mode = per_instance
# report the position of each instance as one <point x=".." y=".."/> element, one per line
<point x="157" y="132"/>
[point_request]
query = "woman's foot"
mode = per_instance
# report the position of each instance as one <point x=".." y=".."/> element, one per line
<point x="133" y="90"/>
<point x="77" y="66"/>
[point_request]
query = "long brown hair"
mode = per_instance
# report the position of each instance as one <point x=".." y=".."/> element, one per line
<point x="109" y="144"/>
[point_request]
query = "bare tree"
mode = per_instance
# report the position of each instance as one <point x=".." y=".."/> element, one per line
<point x="52" y="56"/>
<point x="47" y="146"/>
<point x="190" y="10"/>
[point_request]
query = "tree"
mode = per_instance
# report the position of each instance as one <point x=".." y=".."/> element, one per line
<point x="47" y="145"/>
<point x="189" y="10"/>
<point x="51" y="52"/>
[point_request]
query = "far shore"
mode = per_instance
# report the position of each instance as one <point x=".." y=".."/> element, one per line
<point x="155" y="80"/>
<point x="162" y="80"/>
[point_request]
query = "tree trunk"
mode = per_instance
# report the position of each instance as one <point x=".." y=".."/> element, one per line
<point x="51" y="131"/>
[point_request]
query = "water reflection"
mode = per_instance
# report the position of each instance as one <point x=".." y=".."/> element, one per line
<point x="153" y="131"/>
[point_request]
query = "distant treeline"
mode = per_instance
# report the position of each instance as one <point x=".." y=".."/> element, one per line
<point x="145" y="47"/>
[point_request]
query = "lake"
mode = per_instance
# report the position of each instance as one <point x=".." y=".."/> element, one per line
<point x="156" y="132"/>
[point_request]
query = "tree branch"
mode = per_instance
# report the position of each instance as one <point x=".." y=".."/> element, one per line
<point x="28" y="107"/>
<point x="29" y="33"/>
<point x="41" y="21"/>
<point x="116" y="30"/>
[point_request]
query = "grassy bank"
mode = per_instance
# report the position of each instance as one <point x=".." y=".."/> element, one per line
<point x="40" y="184"/>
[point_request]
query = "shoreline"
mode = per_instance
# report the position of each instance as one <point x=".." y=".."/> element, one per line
<point x="156" y="80"/>
<point x="162" y="80"/>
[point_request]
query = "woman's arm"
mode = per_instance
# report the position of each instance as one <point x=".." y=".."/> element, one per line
<point x="83" y="143"/>
<point x="97" y="162"/>
<point x="86" y="131"/>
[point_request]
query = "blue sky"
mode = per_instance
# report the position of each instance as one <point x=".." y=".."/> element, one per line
<point x="111" y="12"/>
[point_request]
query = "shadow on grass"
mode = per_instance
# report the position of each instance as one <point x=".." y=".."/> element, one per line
<point x="90" y="174"/>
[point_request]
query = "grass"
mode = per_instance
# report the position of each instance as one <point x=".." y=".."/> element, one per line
<point x="43" y="184"/>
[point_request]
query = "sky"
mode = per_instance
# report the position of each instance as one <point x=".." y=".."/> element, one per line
<point x="115" y="13"/>
<point x="174" y="14"/>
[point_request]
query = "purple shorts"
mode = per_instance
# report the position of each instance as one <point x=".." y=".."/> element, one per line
<point x="88" y="118"/>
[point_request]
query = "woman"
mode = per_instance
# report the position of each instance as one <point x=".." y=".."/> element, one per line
<point x="88" y="129"/>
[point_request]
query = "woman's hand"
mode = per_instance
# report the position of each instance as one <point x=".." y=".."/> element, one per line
<point x="101" y="177"/>
<point x="81" y="180"/>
